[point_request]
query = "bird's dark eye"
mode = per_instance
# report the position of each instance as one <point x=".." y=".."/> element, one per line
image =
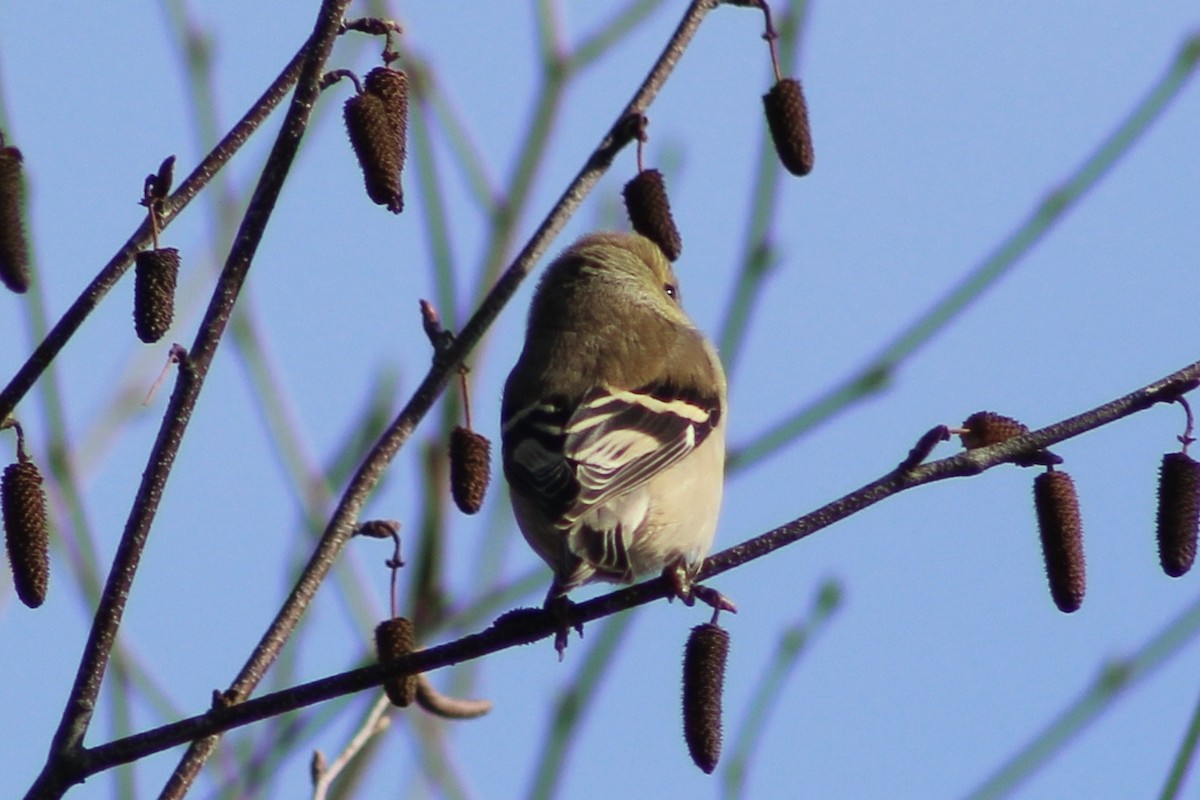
<point x="672" y="290"/>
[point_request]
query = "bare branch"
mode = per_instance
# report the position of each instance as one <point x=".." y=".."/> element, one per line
<point x="523" y="626"/>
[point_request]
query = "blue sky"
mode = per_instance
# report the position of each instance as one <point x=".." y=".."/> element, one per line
<point x="938" y="129"/>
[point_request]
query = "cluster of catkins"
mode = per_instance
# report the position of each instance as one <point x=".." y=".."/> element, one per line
<point x="1060" y="523"/>
<point x="377" y="123"/>
<point x="645" y="195"/>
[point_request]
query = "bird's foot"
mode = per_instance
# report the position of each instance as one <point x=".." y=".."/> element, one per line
<point x="689" y="591"/>
<point x="559" y="607"/>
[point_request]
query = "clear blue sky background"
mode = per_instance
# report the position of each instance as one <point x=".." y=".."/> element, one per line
<point x="938" y="127"/>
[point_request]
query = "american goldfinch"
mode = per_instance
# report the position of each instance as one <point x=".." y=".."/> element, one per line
<point x="613" y="423"/>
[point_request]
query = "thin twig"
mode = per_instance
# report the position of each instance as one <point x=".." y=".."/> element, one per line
<point x="376" y="722"/>
<point x="1186" y="438"/>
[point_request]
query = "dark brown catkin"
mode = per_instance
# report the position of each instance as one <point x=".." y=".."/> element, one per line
<point x="155" y="275"/>
<point x="1178" y="512"/>
<point x="787" y="117"/>
<point x="985" y="428"/>
<point x="377" y="124"/>
<point x="704" y="660"/>
<point x="649" y="211"/>
<point x="1061" y="529"/>
<point x="14" y="250"/>
<point x="394" y="639"/>
<point x="25" y="534"/>
<point x="470" y="468"/>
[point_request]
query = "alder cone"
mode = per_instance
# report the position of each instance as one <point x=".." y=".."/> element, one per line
<point x="394" y="639"/>
<point x="1061" y="528"/>
<point x="470" y="469"/>
<point x="155" y="275"/>
<point x="787" y="117"/>
<point x="14" y="249"/>
<point x="704" y="660"/>
<point x="649" y="211"/>
<point x="1178" y="513"/>
<point x="377" y="124"/>
<point x="23" y="502"/>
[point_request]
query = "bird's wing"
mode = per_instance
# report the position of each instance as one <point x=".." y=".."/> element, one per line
<point x="573" y="459"/>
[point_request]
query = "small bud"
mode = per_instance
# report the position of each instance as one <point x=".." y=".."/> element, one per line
<point x="703" y="683"/>
<point x="649" y="211"/>
<point x="1178" y="512"/>
<point x="1061" y="528"/>
<point x="377" y="123"/>
<point x="470" y="468"/>
<point x="394" y="639"/>
<point x="985" y="428"/>
<point x="14" y="250"/>
<point x="158" y="184"/>
<point x="25" y="534"/>
<point x="787" y="117"/>
<point x="164" y="177"/>
<point x="154" y="292"/>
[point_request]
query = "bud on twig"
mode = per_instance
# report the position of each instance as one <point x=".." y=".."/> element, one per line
<point x="158" y="184"/>
<point x="986" y="428"/>
<point x="155" y="275"/>
<point x="377" y="123"/>
<point x="394" y="639"/>
<point x="650" y="211"/>
<point x="787" y="117"/>
<point x="25" y="532"/>
<point x="704" y="660"/>
<point x="1061" y="528"/>
<point x="1178" y="512"/>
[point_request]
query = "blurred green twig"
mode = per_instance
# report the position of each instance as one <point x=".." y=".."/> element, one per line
<point x="878" y="372"/>
<point x="792" y="644"/>
<point x="1113" y="681"/>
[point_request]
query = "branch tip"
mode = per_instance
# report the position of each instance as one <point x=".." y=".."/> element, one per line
<point x="317" y="766"/>
<point x="440" y="338"/>
<point x="924" y="446"/>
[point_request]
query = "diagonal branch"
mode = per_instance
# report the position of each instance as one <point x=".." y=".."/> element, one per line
<point x="525" y="626"/>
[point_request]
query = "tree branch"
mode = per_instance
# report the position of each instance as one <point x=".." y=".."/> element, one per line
<point x="525" y="626"/>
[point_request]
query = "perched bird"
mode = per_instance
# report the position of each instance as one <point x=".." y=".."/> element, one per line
<point x="613" y="424"/>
